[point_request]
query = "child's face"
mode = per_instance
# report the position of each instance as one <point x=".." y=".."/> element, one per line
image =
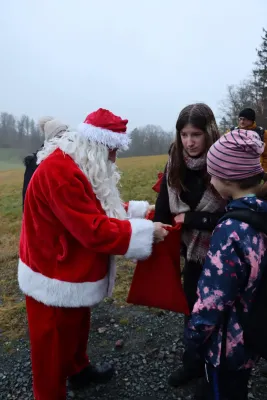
<point x="223" y="187"/>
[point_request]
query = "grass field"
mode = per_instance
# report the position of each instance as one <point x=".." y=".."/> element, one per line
<point x="139" y="174"/>
<point x="11" y="159"/>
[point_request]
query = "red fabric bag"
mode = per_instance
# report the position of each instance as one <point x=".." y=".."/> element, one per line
<point x="157" y="280"/>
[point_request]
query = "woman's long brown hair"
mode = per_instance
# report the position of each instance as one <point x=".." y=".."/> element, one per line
<point x="200" y="116"/>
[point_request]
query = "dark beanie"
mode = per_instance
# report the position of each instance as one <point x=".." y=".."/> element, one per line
<point x="248" y="113"/>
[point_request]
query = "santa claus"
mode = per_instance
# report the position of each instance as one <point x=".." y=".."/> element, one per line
<point x="74" y="223"/>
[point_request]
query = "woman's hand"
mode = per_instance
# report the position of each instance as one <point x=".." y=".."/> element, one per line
<point x="179" y="219"/>
<point x="159" y="232"/>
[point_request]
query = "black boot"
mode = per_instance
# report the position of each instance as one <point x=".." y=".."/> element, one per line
<point x="91" y="374"/>
<point x="193" y="367"/>
<point x="263" y="369"/>
<point x="183" y="375"/>
<point x="203" y="391"/>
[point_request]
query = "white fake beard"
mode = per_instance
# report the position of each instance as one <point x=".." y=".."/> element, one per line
<point x="92" y="159"/>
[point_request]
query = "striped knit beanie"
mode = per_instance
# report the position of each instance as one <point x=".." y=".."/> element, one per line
<point x="236" y="155"/>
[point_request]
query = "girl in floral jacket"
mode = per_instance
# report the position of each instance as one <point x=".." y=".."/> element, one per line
<point x="232" y="270"/>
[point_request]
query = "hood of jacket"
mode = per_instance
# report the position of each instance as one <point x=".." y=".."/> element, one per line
<point x="254" y="204"/>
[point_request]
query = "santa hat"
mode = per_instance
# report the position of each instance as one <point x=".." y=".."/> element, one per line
<point x="51" y="127"/>
<point x="102" y="126"/>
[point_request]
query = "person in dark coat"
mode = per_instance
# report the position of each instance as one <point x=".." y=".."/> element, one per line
<point x="187" y="197"/>
<point x="49" y="127"/>
<point x="30" y="163"/>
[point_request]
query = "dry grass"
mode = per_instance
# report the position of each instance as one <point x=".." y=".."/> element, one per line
<point x="139" y="174"/>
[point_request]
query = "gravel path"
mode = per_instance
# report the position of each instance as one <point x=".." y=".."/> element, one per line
<point x="151" y="349"/>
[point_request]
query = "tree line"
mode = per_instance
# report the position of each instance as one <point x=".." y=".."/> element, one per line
<point x="24" y="134"/>
<point x="149" y="140"/>
<point x="251" y="92"/>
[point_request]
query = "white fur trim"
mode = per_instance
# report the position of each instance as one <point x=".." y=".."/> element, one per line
<point x="110" y="139"/>
<point x="137" y="209"/>
<point x="54" y="292"/>
<point x="141" y="240"/>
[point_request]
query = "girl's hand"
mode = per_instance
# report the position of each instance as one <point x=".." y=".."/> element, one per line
<point x="151" y="207"/>
<point x="179" y="219"/>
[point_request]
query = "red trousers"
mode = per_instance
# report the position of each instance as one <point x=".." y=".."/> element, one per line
<point x="58" y="339"/>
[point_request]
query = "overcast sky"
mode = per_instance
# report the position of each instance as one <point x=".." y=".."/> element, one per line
<point x="143" y="59"/>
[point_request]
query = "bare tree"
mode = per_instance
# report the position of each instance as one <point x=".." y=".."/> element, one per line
<point x="21" y="131"/>
<point x="237" y="98"/>
<point x="7" y="129"/>
<point x="249" y="93"/>
<point x="260" y="73"/>
<point x="27" y="124"/>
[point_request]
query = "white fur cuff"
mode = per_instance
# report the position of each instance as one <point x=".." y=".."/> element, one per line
<point x="137" y="209"/>
<point x="141" y="240"/>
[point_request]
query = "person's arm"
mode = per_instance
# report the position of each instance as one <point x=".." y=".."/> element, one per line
<point x="264" y="154"/>
<point x="217" y="287"/>
<point x="74" y="204"/>
<point x="203" y="221"/>
<point x="162" y="207"/>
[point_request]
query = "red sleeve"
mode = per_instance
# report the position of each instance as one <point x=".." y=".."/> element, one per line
<point x="126" y="206"/>
<point x="71" y="198"/>
<point x="77" y="211"/>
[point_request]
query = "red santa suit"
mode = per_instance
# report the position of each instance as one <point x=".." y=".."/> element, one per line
<point x="67" y="249"/>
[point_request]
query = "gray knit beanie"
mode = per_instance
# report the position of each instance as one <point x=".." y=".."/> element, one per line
<point x="51" y="127"/>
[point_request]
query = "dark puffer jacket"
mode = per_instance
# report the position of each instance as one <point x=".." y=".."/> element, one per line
<point x="30" y="163"/>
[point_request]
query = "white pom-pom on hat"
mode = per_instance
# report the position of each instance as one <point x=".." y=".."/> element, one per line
<point x="51" y="127"/>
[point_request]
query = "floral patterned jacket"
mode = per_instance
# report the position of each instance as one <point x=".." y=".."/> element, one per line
<point x="231" y="273"/>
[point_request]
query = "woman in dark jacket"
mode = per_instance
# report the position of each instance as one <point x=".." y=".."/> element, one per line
<point x="30" y="163"/>
<point x="49" y="127"/>
<point x="187" y="197"/>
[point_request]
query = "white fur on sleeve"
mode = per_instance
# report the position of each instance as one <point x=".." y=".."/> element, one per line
<point x="137" y="209"/>
<point x="141" y="240"/>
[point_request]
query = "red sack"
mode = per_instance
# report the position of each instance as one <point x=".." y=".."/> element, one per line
<point x="151" y="215"/>
<point x="156" y="187"/>
<point x="157" y="280"/>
